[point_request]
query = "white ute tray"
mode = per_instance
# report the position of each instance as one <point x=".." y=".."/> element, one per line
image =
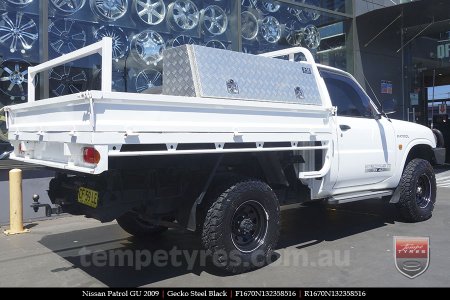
<point x="53" y="132"/>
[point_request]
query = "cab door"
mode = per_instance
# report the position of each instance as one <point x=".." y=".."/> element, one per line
<point x="366" y="142"/>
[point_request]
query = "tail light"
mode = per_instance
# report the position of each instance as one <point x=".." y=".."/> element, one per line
<point x="91" y="155"/>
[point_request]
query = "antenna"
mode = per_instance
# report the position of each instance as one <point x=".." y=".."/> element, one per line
<point x="376" y="98"/>
<point x="432" y="102"/>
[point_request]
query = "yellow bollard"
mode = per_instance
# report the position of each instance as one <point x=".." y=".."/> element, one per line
<point x="16" y="203"/>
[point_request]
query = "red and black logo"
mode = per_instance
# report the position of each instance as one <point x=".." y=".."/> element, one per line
<point x="412" y="255"/>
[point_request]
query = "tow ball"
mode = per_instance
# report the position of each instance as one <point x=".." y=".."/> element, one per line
<point x="49" y="211"/>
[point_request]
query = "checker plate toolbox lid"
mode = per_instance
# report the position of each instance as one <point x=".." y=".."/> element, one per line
<point x="196" y="71"/>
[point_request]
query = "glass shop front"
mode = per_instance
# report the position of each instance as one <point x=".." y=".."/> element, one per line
<point x="426" y="44"/>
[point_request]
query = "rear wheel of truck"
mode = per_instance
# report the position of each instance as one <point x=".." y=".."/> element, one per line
<point x="242" y="226"/>
<point x="417" y="191"/>
<point x="138" y="226"/>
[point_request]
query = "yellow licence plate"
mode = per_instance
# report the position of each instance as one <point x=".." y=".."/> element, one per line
<point x="88" y="197"/>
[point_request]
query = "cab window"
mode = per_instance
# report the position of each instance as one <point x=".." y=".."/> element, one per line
<point x="350" y="100"/>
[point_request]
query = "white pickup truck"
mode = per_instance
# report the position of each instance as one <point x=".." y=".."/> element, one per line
<point x="228" y="139"/>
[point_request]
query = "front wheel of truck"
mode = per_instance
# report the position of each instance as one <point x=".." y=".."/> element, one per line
<point x="138" y="226"/>
<point x="242" y="226"/>
<point x="417" y="191"/>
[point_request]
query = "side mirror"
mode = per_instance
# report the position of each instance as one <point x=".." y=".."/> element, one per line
<point x="390" y="106"/>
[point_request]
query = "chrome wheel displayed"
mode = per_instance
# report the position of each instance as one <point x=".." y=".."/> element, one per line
<point x="299" y="14"/>
<point x="118" y="80"/>
<point x="305" y="15"/>
<point x="151" y="12"/>
<point x="67" y="7"/>
<point x="66" y="35"/>
<point x="147" y="79"/>
<point x="270" y="6"/>
<point x="181" y="40"/>
<point x="18" y="32"/>
<point x="294" y="35"/>
<point x="311" y="37"/>
<point x="109" y="10"/>
<point x="182" y="15"/>
<point x="66" y="80"/>
<point x="249" y="3"/>
<point x="294" y="11"/>
<point x="270" y="29"/>
<point x="311" y="14"/>
<point x="119" y="39"/>
<point x="14" y="79"/>
<point x="216" y="44"/>
<point x="214" y="20"/>
<point x="250" y="26"/>
<point x="148" y="46"/>
<point x="21" y="3"/>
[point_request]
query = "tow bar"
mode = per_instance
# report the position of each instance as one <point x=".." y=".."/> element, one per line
<point x="49" y="211"/>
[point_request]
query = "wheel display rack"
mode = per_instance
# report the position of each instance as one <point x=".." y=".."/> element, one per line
<point x="140" y="31"/>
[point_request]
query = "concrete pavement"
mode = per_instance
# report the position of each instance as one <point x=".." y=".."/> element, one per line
<point x="351" y="245"/>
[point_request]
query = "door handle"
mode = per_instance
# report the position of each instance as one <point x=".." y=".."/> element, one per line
<point x="345" y="127"/>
